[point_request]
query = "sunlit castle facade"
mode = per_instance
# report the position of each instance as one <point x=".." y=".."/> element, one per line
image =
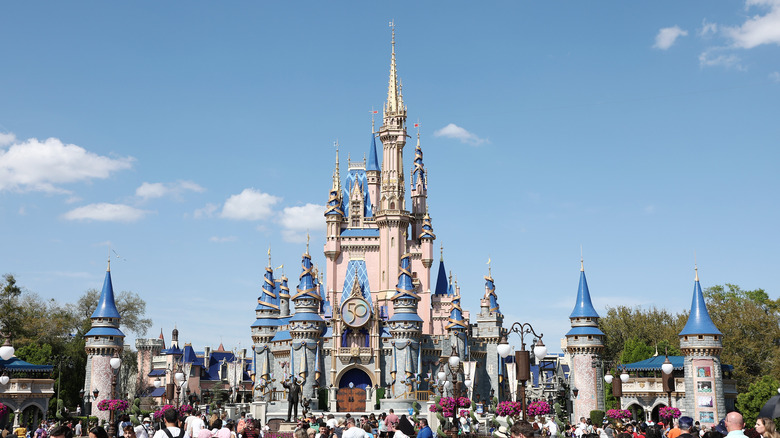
<point x="374" y="317"/>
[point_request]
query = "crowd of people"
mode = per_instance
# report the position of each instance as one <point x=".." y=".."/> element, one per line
<point x="390" y="425"/>
<point x="684" y="427"/>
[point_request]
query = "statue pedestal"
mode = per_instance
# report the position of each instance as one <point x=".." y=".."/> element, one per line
<point x="287" y="427"/>
<point x="260" y="410"/>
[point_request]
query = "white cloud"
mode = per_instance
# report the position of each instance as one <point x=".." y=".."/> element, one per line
<point x="159" y="190"/>
<point x="43" y="166"/>
<point x="708" y="59"/>
<point x="759" y="29"/>
<point x="207" y="211"/>
<point x="217" y="239"/>
<point x="775" y="76"/>
<point x="707" y="28"/>
<point x="297" y="221"/>
<point x="667" y="36"/>
<point x="454" y="131"/>
<point x="107" y="213"/>
<point x="7" y="138"/>
<point x="251" y="205"/>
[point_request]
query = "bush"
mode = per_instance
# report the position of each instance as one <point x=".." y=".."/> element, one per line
<point x="597" y="417"/>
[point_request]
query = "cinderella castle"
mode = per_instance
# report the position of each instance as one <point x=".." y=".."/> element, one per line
<point x="375" y="327"/>
<point x="377" y="318"/>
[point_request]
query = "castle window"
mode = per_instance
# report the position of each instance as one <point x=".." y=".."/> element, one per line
<point x="701" y="337"/>
<point x="590" y="338"/>
<point x="716" y="337"/>
<point x="576" y="338"/>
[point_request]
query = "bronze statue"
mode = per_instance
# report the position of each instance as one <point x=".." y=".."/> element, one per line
<point x="293" y="395"/>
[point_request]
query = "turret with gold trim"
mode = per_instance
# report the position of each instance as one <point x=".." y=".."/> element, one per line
<point x="405" y="327"/>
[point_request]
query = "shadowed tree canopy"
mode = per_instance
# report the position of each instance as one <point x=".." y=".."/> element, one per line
<point x="634" y="333"/>
<point x="131" y="307"/>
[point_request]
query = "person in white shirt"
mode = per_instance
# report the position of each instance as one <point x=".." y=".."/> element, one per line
<point x="193" y="424"/>
<point x="551" y="427"/>
<point x="171" y="429"/>
<point x="352" y="431"/>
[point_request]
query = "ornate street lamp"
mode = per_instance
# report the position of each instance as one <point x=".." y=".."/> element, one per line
<point x="523" y="356"/>
<point x="7" y="350"/>
<point x="115" y="363"/>
<point x="668" y="377"/>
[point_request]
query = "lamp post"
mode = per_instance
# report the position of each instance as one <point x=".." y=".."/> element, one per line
<point x="523" y="356"/>
<point x="115" y="363"/>
<point x="668" y="377"/>
<point x="172" y="390"/>
<point x="617" y="385"/>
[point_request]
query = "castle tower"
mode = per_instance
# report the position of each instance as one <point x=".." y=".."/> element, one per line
<point x="585" y="342"/>
<point x="267" y="314"/>
<point x="284" y="297"/>
<point x="392" y="217"/>
<point x="419" y="190"/>
<point x="306" y="325"/>
<point x="372" y="169"/>
<point x="147" y="350"/>
<point x="701" y="344"/>
<point x="103" y="341"/>
<point x="405" y="328"/>
<point x="489" y="330"/>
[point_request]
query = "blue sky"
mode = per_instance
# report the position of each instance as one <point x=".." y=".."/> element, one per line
<point x="193" y="135"/>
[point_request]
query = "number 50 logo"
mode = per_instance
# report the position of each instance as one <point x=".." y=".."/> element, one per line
<point x="355" y="311"/>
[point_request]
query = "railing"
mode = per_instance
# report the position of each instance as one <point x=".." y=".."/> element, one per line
<point x="423" y="395"/>
<point x="278" y="395"/>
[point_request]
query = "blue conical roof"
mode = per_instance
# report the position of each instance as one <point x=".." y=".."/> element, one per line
<point x="373" y="162"/>
<point x="306" y="287"/>
<point x="699" y="321"/>
<point x="405" y="288"/>
<point x="490" y="289"/>
<point x="583" y="308"/>
<point x="106" y="307"/>
<point x="456" y="320"/>
<point x="268" y="300"/>
<point x="441" y="280"/>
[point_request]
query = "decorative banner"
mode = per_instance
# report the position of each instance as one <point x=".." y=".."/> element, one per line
<point x="511" y="375"/>
<point x="706" y="406"/>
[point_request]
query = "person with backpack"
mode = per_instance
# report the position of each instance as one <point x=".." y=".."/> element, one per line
<point x="171" y="429"/>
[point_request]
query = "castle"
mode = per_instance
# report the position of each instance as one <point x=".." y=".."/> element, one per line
<point x="375" y="328"/>
<point x="377" y="319"/>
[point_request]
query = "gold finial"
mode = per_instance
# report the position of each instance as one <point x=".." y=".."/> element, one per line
<point x="695" y="266"/>
<point x="307" y="241"/>
<point x="442" y="251"/>
<point x="269" y="256"/>
<point x="490" y="272"/>
<point x="582" y="261"/>
<point x="108" y="269"/>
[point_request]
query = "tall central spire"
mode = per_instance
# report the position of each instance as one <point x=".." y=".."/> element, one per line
<point x="394" y="98"/>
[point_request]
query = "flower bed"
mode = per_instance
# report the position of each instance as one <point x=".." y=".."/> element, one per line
<point x="669" y="413"/>
<point x="509" y="409"/>
<point x="113" y="405"/>
<point x="619" y="414"/>
<point x="538" y="408"/>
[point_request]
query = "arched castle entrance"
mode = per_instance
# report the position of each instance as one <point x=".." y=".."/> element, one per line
<point x="353" y="384"/>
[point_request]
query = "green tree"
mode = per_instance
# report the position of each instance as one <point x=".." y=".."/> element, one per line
<point x="35" y="353"/>
<point x="750" y="403"/>
<point x="653" y="326"/>
<point x="10" y="310"/>
<point x="635" y="350"/>
<point x="750" y="323"/>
